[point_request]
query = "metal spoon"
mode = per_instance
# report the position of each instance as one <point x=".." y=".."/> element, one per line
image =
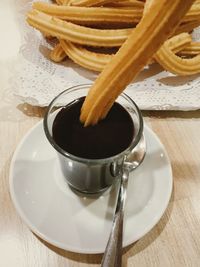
<point x="113" y="253"/>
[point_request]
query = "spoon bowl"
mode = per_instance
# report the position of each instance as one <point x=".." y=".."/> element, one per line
<point x="136" y="157"/>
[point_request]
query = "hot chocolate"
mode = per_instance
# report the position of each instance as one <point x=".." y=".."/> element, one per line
<point x="109" y="137"/>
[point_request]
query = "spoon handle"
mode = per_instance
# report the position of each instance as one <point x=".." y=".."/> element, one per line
<point x="113" y="253"/>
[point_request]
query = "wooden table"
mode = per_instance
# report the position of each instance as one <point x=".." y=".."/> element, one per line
<point x="174" y="241"/>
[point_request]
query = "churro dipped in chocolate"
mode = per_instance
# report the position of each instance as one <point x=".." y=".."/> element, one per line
<point x="160" y="20"/>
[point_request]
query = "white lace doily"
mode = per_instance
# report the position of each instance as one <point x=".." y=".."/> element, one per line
<point x="37" y="79"/>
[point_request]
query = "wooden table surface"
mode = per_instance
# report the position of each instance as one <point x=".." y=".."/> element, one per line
<point x="174" y="241"/>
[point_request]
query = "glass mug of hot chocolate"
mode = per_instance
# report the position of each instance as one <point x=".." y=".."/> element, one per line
<point x="91" y="158"/>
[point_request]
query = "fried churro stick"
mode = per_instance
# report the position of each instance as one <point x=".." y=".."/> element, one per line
<point x="84" y="57"/>
<point x="176" y="43"/>
<point x="57" y="54"/>
<point x="88" y="3"/>
<point x="75" y="33"/>
<point x="187" y="26"/>
<point x="147" y="6"/>
<point x="91" y="15"/>
<point x="191" y="49"/>
<point x="59" y="2"/>
<point x="66" y="2"/>
<point x="176" y="64"/>
<point x="126" y="3"/>
<point x="179" y="42"/>
<point x="193" y="13"/>
<point x="46" y="35"/>
<point x="97" y="61"/>
<point x="154" y="28"/>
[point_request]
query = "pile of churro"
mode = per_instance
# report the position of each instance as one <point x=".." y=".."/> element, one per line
<point x="82" y="25"/>
<point x="141" y="32"/>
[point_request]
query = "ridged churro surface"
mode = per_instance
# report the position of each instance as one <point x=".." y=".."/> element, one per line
<point x="142" y="44"/>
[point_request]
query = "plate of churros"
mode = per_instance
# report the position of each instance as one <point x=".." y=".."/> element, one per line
<point x="69" y="42"/>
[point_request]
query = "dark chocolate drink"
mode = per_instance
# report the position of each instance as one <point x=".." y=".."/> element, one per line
<point x="109" y="137"/>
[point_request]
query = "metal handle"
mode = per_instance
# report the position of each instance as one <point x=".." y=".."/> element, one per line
<point x="113" y="253"/>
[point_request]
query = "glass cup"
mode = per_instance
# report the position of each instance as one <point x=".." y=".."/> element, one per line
<point x="91" y="176"/>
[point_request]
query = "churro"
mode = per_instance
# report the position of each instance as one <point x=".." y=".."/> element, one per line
<point x="154" y="28"/>
<point x="84" y="57"/>
<point x="126" y="3"/>
<point x="75" y="33"/>
<point x="89" y="3"/>
<point x="191" y="49"/>
<point x="59" y="2"/>
<point x="147" y="6"/>
<point x="91" y="15"/>
<point x="187" y="26"/>
<point x="66" y="2"/>
<point x="104" y="15"/>
<point x="193" y="13"/>
<point x="97" y="61"/>
<point x="57" y="54"/>
<point x="178" y="42"/>
<point x="175" y="64"/>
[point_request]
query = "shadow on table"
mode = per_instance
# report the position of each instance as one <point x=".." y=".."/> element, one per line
<point x="128" y="252"/>
<point x="150" y="237"/>
<point x="32" y="111"/>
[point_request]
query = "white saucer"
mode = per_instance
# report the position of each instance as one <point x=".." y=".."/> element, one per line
<point x="81" y="224"/>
